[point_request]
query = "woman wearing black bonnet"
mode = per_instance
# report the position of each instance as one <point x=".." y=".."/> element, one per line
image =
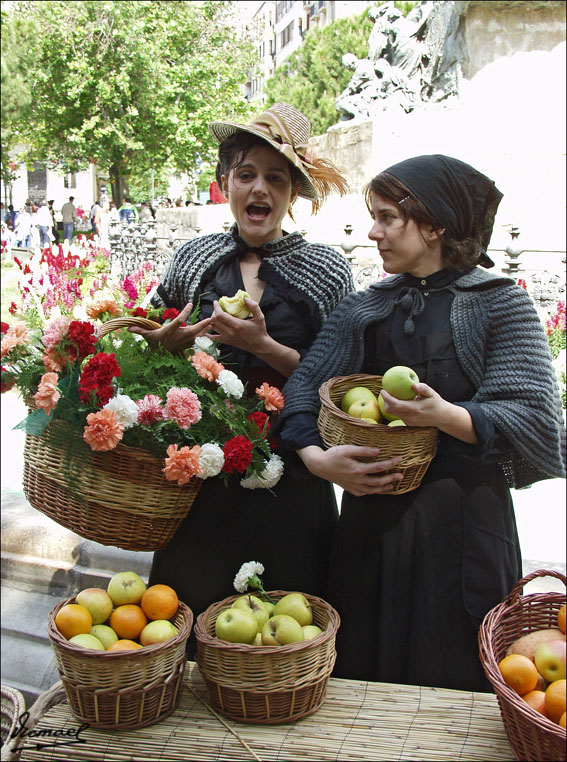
<point x="413" y="574"/>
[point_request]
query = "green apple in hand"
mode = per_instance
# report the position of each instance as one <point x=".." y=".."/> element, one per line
<point x="254" y="606"/>
<point x="354" y="395"/>
<point x="295" y="605"/>
<point x="311" y="631"/>
<point x="365" y="409"/>
<point x="280" y="630"/>
<point x="235" y="305"/>
<point x="387" y="416"/>
<point x="236" y="626"/>
<point x="398" y="381"/>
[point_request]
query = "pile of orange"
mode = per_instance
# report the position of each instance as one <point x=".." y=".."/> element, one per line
<point x="520" y="673"/>
<point x="126" y="622"/>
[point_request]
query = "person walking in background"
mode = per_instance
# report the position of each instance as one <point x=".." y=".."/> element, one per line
<point x="114" y="216"/>
<point x="293" y="286"/>
<point x="69" y="216"/>
<point x="54" y="229"/>
<point x="44" y="222"/>
<point x="102" y="225"/>
<point x="94" y="211"/>
<point x="145" y="213"/>
<point x="11" y="217"/>
<point x="128" y="212"/>
<point x="23" y="227"/>
<point x="34" y="231"/>
<point x="412" y="575"/>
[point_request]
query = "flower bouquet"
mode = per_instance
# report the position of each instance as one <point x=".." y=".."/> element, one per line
<point x="119" y="438"/>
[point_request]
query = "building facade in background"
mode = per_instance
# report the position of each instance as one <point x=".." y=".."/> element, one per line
<point x="277" y="29"/>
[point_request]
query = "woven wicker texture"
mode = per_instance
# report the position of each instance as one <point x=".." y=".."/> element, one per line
<point x="416" y="445"/>
<point x="13" y="705"/>
<point x="119" y="689"/>
<point x="531" y="735"/>
<point x="115" y="498"/>
<point x="267" y="684"/>
<point x="125" y="322"/>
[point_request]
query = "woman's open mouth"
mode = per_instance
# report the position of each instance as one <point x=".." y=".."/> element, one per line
<point x="258" y="211"/>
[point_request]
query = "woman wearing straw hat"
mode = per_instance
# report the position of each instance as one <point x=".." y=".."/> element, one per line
<point x="294" y="286"/>
<point x="412" y="575"/>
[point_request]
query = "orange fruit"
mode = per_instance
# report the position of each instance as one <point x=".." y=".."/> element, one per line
<point x="128" y="621"/>
<point x="73" y="619"/>
<point x="562" y="720"/>
<point x="556" y="699"/>
<point x="536" y="699"/>
<point x="123" y="645"/>
<point x="561" y="618"/>
<point x="518" y="672"/>
<point x="159" y="602"/>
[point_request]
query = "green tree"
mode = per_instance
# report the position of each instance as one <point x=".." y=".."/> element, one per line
<point x="129" y="85"/>
<point x="313" y="76"/>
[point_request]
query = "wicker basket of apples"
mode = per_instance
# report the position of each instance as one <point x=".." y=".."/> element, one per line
<point x="524" y="625"/>
<point x="352" y="412"/>
<point x="272" y="670"/>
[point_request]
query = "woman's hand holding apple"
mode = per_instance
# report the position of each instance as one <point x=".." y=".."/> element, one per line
<point x="247" y="334"/>
<point x="174" y="336"/>
<point x="341" y="465"/>
<point x="430" y="409"/>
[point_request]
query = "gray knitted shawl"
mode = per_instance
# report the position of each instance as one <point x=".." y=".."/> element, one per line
<point x="299" y="270"/>
<point x="501" y="345"/>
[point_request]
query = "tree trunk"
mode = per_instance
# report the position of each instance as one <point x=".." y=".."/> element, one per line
<point x="118" y="184"/>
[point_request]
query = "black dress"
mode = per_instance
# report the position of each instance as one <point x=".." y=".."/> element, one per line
<point x="412" y="575"/>
<point x="289" y="531"/>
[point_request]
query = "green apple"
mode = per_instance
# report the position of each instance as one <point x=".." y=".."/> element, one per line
<point x="157" y="631"/>
<point x="550" y="660"/>
<point x="397" y="422"/>
<point x="104" y="633"/>
<point x="295" y="605"/>
<point x="126" y="587"/>
<point x="85" y="640"/>
<point x="97" y="601"/>
<point x="398" y="381"/>
<point x="254" y="606"/>
<point x="365" y="409"/>
<point x="387" y="416"/>
<point x="354" y="395"/>
<point x="258" y="640"/>
<point x="235" y="305"/>
<point x="280" y="630"/>
<point x="311" y="631"/>
<point x="236" y="626"/>
<point x="269" y="607"/>
<point x="369" y="420"/>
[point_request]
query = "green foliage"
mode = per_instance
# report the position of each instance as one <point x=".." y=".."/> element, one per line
<point x="313" y="77"/>
<point x="129" y="84"/>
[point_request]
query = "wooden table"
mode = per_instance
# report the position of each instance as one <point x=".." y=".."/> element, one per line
<point x="357" y="721"/>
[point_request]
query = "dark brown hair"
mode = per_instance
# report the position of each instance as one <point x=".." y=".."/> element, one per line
<point x="459" y="255"/>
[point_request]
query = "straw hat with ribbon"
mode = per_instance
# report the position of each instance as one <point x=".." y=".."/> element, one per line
<point x="287" y="130"/>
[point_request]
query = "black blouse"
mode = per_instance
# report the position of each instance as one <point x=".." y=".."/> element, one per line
<point x="287" y="324"/>
<point x="418" y="334"/>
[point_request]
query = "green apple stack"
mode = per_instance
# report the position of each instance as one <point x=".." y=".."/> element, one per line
<point x="259" y="623"/>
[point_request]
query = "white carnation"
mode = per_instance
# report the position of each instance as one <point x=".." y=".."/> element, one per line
<point x="203" y="344"/>
<point x="125" y="410"/>
<point x="211" y="460"/>
<point x="230" y="384"/>
<point x="269" y="477"/>
<point x="246" y="571"/>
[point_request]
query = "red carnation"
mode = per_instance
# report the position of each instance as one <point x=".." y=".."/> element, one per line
<point x="170" y="313"/>
<point x="82" y="337"/>
<point x="5" y="327"/>
<point x="13" y="308"/>
<point x="237" y="454"/>
<point x="97" y="376"/>
<point x="260" y="418"/>
<point x="140" y="312"/>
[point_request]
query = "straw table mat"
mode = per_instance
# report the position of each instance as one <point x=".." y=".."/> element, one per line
<point x="357" y="721"/>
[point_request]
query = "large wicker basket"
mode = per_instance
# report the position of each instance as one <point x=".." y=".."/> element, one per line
<point x="122" y="689"/>
<point x="531" y="735"/>
<point x="13" y="705"/>
<point x="267" y="685"/>
<point x="416" y="445"/>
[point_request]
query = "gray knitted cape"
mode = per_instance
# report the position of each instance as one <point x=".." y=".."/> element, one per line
<point x="501" y="346"/>
<point x="299" y="270"/>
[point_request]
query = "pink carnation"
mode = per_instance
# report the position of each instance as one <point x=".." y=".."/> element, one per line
<point x="55" y="332"/>
<point x="103" y="431"/>
<point x="183" y="407"/>
<point x="47" y="394"/>
<point x="149" y="410"/>
<point x="182" y="464"/>
<point x="206" y="365"/>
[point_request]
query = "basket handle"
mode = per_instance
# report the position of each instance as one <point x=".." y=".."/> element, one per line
<point x="518" y="587"/>
<point x="124" y="322"/>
